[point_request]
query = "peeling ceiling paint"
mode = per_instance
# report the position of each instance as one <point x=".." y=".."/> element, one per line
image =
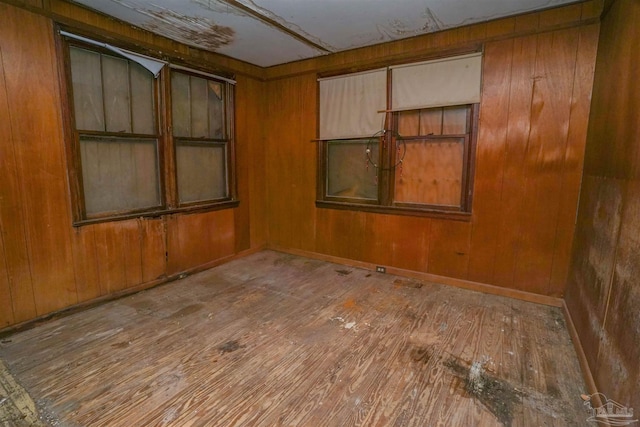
<point x="272" y="32"/>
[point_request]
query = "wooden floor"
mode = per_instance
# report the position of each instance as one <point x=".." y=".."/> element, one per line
<point x="278" y="340"/>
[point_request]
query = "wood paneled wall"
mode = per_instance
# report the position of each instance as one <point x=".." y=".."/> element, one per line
<point x="537" y="80"/>
<point x="45" y="263"/>
<point x="603" y="293"/>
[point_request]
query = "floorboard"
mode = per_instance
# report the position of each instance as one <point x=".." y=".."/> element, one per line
<point x="278" y="340"/>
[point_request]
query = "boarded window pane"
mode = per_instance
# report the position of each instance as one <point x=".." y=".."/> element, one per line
<point x="142" y="102"/>
<point x="199" y="114"/>
<point x="349" y="175"/>
<point x="431" y="121"/>
<point x="117" y="101"/>
<point x="180" y="105"/>
<point x="216" y="110"/>
<point x="431" y="172"/>
<point x="119" y="175"/>
<point x="409" y="123"/>
<point x="454" y="120"/>
<point x="201" y="172"/>
<point x="87" y="89"/>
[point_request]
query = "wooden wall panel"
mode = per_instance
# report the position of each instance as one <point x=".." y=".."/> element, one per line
<point x="410" y="243"/>
<point x="518" y="126"/>
<point x="47" y="264"/>
<point x="449" y="248"/>
<point x="340" y="233"/>
<point x="545" y="162"/>
<point x="536" y="91"/>
<point x="290" y="159"/>
<point x="153" y="249"/>
<point x="491" y="152"/>
<point x="250" y="163"/>
<point x="38" y="155"/>
<point x="603" y="292"/>
<point x="86" y="263"/>
<point x="195" y="240"/>
<point x="15" y="254"/>
<point x="6" y="308"/>
<point x="574" y="158"/>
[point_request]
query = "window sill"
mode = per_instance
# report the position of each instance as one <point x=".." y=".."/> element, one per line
<point x="396" y="210"/>
<point x="160" y="212"/>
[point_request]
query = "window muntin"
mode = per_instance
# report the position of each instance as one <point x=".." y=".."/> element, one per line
<point x="121" y="163"/>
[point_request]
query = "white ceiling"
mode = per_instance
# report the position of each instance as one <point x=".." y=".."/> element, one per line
<point x="272" y="32"/>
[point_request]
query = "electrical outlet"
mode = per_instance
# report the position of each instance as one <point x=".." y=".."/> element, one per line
<point x="380" y="269"/>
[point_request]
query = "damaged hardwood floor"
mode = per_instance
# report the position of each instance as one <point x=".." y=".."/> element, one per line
<point x="278" y="340"/>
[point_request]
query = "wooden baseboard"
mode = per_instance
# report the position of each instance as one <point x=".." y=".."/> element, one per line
<point x="582" y="357"/>
<point x="27" y="324"/>
<point x="458" y="283"/>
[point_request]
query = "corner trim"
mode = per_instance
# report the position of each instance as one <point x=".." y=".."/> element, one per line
<point x="577" y="345"/>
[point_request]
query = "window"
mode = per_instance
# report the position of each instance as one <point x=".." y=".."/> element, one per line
<point x="201" y="136"/>
<point x="400" y="139"/>
<point x="122" y="163"/>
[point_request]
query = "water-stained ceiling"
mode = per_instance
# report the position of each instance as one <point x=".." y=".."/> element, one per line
<point x="271" y="32"/>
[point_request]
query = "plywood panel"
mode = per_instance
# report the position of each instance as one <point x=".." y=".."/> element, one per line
<point x="291" y="159"/>
<point x="449" y="248"/>
<point x="29" y="70"/>
<point x="618" y="371"/>
<point x="574" y="157"/>
<point x="153" y="249"/>
<point x="250" y="218"/>
<point x="490" y="158"/>
<point x="15" y="254"/>
<point x="6" y="306"/>
<point x="409" y="242"/>
<point x="86" y="263"/>
<point x="513" y="182"/>
<point x="550" y="113"/>
<point x="112" y="251"/>
<point x="198" y="239"/>
<point x="341" y="233"/>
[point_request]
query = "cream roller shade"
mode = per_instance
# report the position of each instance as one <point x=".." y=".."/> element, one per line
<point x="439" y="83"/>
<point x="352" y="106"/>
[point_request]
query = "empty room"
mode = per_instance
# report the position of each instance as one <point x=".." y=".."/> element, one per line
<point x="319" y="213"/>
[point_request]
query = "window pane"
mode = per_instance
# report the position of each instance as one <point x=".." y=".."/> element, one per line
<point x="142" y="102"/>
<point x="181" y="105"/>
<point x="86" y="78"/>
<point x="216" y="110"/>
<point x="349" y="174"/>
<point x="454" y="120"/>
<point x="431" y="172"/>
<point x="119" y="175"/>
<point x="199" y="114"/>
<point x="117" y="101"/>
<point x="202" y="172"/>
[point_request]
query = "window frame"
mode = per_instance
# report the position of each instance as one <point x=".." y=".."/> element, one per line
<point x="227" y="140"/>
<point x="386" y="179"/>
<point x="165" y="143"/>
